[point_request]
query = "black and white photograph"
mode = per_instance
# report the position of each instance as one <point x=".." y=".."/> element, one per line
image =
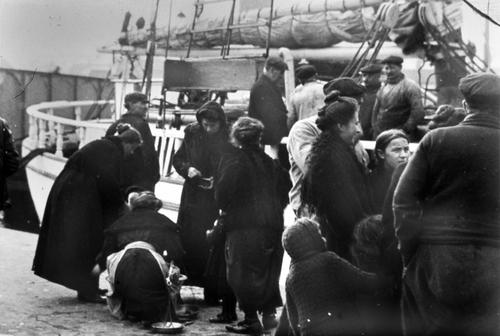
<point x="250" y="167"/>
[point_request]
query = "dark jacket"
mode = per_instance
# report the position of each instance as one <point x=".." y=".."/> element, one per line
<point x="365" y="111"/>
<point x="267" y="105"/>
<point x="142" y="168"/>
<point x="398" y="105"/>
<point x="447" y="212"/>
<point x="336" y="187"/>
<point x="248" y="190"/>
<point x="379" y="180"/>
<point x="198" y="209"/>
<point x="321" y="289"/>
<point x="84" y="200"/>
<point x="145" y="225"/>
<point x="6" y="145"/>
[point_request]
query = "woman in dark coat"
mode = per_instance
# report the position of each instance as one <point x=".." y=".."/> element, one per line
<point x="391" y="149"/>
<point x="85" y="199"/>
<point x="196" y="161"/>
<point x="335" y="186"/>
<point x="135" y="249"/>
<point x="248" y="191"/>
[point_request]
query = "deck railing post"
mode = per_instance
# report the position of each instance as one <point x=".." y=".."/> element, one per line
<point x="42" y="133"/>
<point x="59" y="139"/>
<point x="33" y="130"/>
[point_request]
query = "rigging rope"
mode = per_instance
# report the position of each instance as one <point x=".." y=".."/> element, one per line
<point x="484" y="15"/>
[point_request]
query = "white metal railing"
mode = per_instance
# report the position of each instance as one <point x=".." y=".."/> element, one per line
<point x="47" y="129"/>
<point x="167" y="142"/>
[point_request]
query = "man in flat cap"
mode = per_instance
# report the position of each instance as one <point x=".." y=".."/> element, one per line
<point x="266" y="104"/>
<point x="143" y="166"/>
<point x="308" y="96"/>
<point x="399" y="101"/>
<point x="370" y="79"/>
<point x="447" y="216"/>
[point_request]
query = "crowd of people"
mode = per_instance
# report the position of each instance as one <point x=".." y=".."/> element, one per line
<point x="384" y="242"/>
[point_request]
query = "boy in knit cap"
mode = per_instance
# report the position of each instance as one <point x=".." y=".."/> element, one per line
<point x="321" y="287"/>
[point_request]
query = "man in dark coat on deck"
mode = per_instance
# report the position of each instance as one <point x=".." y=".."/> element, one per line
<point x="266" y="104"/>
<point x="142" y="168"/>
<point x="447" y="216"/>
<point x="370" y="79"/>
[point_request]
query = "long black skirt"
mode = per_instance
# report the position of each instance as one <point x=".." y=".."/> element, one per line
<point x="140" y="283"/>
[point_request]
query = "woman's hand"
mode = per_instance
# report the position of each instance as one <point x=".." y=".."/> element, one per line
<point x="96" y="271"/>
<point x="193" y="172"/>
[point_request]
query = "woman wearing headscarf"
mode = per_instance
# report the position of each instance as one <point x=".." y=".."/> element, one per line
<point x="85" y="199"/>
<point x="135" y="250"/>
<point x="335" y="186"/>
<point x="391" y="149"/>
<point x="196" y="161"/>
<point x="248" y="191"/>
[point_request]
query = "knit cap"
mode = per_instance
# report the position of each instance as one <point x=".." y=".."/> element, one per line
<point x="303" y="239"/>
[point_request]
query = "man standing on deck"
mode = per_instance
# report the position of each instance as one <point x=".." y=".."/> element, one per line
<point x="370" y="79"/>
<point x="142" y="168"/>
<point x="307" y="98"/>
<point x="399" y="101"/>
<point x="266" y="104"/>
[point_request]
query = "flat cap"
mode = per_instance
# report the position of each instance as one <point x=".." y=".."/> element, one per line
<point x="276" y="62"/>
<point x="481" y="90"/>
<point x="135" y="97"/>
<point x="346" y="86"/>
<point x="305" y="72"/>
<point x="392" y="60"/>
<point x="371" y="68"/>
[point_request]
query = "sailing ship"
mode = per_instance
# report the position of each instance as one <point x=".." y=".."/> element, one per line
<point x="222" y="56"/>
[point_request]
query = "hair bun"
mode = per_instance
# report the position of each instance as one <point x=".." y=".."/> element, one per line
<point x="332" y="96"/>
<point x="122" y="127"/>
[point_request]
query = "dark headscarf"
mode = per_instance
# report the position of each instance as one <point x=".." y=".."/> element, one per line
<point x="211" y="110"/>
<point x="145" y="200"/>
<point x="128" y="134"/>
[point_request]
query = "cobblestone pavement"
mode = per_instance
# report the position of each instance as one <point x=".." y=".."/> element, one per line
<point x="30" y="305"/>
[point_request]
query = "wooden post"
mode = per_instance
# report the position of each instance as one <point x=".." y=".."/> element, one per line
<point x="59" y="140"/>
<point x="33" y="130"/>
<point x="42" y="133"/>
<point x="78" y="117"/>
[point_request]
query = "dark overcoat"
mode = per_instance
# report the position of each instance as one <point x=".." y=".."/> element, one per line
<point x="142" y="167"/>
<point x="336" y="187"/>
<point x="267" y="105"/>
<point x="447" y="215"/>
<point x="198" y="209"/>
<point x="379" y="180"/>
<point x="145" y="225"/>
<point x="249" y="190"/>
<point x="84" y="200"/>
<point x="6" y="144"/>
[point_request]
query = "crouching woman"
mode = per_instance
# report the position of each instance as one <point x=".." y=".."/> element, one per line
<point x="136" y="250"/>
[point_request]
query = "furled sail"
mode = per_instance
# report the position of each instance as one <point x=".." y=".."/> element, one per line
<point x="298" y="24"/>
<point x="295" y="24"/>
